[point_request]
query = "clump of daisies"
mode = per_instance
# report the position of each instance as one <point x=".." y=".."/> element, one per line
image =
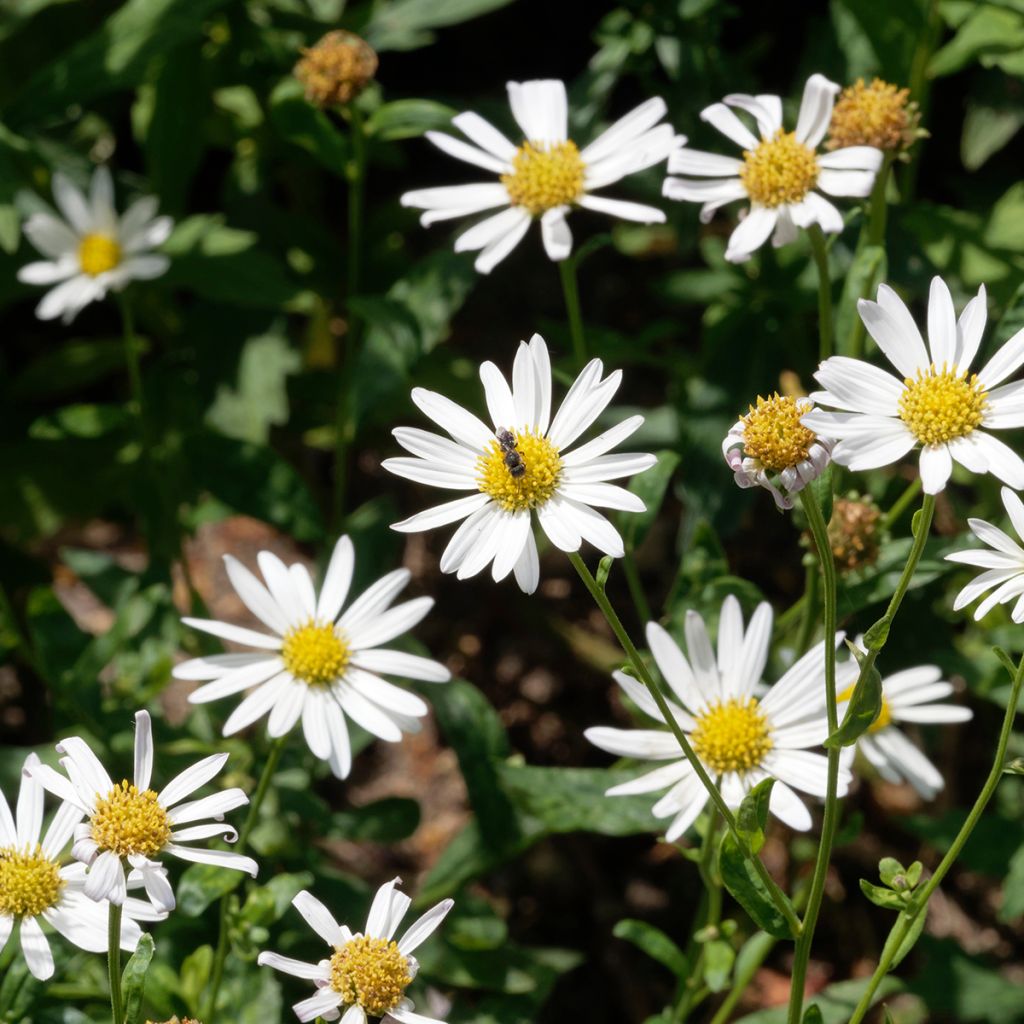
<point x="781" y="174"/>
<point x="90" y="250"/>
<point x="545" y="176"/>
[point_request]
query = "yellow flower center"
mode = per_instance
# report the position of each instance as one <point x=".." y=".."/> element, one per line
<point x="884" y="715"/>
<point x="941" y="405"/>
<point x="128" y="821"/>
<point x="545" y="176"/>
<point x="732" y="736"/>
<point x="522" y="476"/>
<point x="29" y="882"/>
<point x="774" y="435"/>
<point x="97" y="254"/>
<point x="370" y="973"/>
<point x="876" y="115"/>
<point x="315" y="653"/>
<point x="781" y="170"/>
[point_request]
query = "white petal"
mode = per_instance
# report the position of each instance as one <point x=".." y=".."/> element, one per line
<point x="320" y="1005"/>
<point x="541" y="109"/>
<point x="29" y="812"/>
<point x="314" y="725"/>
<point x="751" y="233"/>
<point x="450" y="201"/>
<point x="789" y="808"/>
<point x="296" y="968"/>
<point x="457" y="477"/>
<point x="256" y="704"/>
<point x="47" y="272"/>
<point x="226" y="631"/>
<point x="287" y="709"/>
<point x="51" y="236"/>
<point x="442" y="515"/>
<point x="496" y="250"/>
<point x="603" y="442"/>
<point x="641" y="213"/>
<point x="60" y="830"/>
<point x="722" y="118"/>
<point x="935" y="714"/>
<point x="815" y="110"/>
<point x="218" y="858"/>
<point x="527" y="569"/>
<point x="336" y="581"/>
<point x="468" y="154"/>
<point x="255" y="596"/>
<point x="555" y="233"/>
<point x="485" y="135"/>
<point x="422" y="928"/>
<point x="498" y="396"/>
<point x="675" y="669"/>
<point x="387" y="695"/>
<point x="936" y="467"/>
<point x="715" y="190"/>
<point x="143" y="750"/>
<point x="215" y="666"/>
<point x="1006" y="361"/>
<point x="191" y="779"/>
<point x="106" y="879"/>
<point x="71" y="202"/>
<point x="235" y="682"/>
<point x="852" y="158"/>
<point x="941" y="324"/>
<point x="846" y="183"/>
<point x="625" y="129"/>
<point x="463" y="426"/>
<point x="87" y="765"/>
<point x="648" y="744"/>
<point x="857" y="385"/>
<point x="603" y="496"/>
<point x="711" y="165"/>
<point x="36" y="949"/>
<point x="372" y="718"/>
<point x="387" y="625"/>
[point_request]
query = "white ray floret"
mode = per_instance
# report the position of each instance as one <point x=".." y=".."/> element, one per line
<point x="35" y="887"/>
<point x="524" y="465"/>
<point x="367" y="972"/>
<point x="1002" y="561"/>
<point x="90" y="249"/>
<point x="739" y="737"/>
<point x="130" y="827"/>
<point x="907" y="696"/>
<point x="933" y="401"/>
<point x="545" y="176"/>
<point x="781" y="173"/>
<point x="319" y="663"/>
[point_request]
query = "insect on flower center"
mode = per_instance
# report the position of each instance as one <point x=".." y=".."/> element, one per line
<point x="878" y="115"/>
<point x="370" y="973"/>
<point x="545" y="176"/>
<point x="129" y="821"/>
<point x="774" y="435"/>
<point x="732" y="736"/>
<point x="29" y="882"/>
<point x="781" y="170"/>
<point x="315" y="653"/>
<point x="521" y="473"/>
<point x="884" y="718"/>
<point x="98" y="253"/>
<point x="941" y="405"/>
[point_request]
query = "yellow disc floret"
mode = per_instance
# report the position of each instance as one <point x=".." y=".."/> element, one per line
<point x="540" y="465"/>
<point x="544" y="177"/>
<point x="941" y="405"/>
<point x="879" y="115"/>
<point x="732" y="736"/>
<point x="774" y="435"/>
<point x="129" y="821"/>
<point x="781" y="170"/>
<point x="98" y="253"/>
<point x="370" y="973"/>
<point x="29" y="882"/>
<point x="884" y="715"/>
<point x="315" y="653"/>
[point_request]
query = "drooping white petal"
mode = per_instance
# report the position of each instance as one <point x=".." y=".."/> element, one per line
<point x="815" y="110"/>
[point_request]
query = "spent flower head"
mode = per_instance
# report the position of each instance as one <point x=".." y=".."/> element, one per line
<point x="337" y="69"/>
<point x="129" y="827"/>
<point x="545" y="176"/>
<point x="855" y="532"/>
<point x="880" y="115"/>
<point x="780" y="173"/>
<point x="92" y="250"/>
<point x="319" y="664"/>
<point x="368" y="972"/>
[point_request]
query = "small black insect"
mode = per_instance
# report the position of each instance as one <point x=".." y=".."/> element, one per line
<point x="513" y="460"/>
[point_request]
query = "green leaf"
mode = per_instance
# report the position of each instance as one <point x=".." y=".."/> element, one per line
<point x="836" y="1003"/>
<point x="604" y="567"/>
<point x="813" y="1015"/>
<point x="651" y="487"/>
<point x="986" y="35"/>
<point x="864" y="707"/>
<point x="1015" y="766"/>
<point x="203" y="884"/>
<point x="384" y="821"/>
<point x="752" y="816"/>
<point x="300" y="123"/>
<point x="195" y="975"/>
<point x="862" y="279"/>
<point x="889" y="869"/>
<point x="408" y="119"/>
<point x="407" y="24"/>
<point x="909" y="941"/>
<point x="986" y="131"/>
<point x="655" y="943"/>
<point x="882" y="897"/>
<point x="749" y="891"/>
<point x="718" y="960"/>
<point x="133" y="980"/>
<point x="71" y="368"/>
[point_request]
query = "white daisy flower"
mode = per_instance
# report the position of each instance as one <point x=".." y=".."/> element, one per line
<point x="92" y="250"/>
<point x="35" y="886"/>
<point x="779" y="171"/>
<point x="907" y="696"/>
<point x="545" y="176"/>
<point x="739" y="737"/>
<point x="130" y="824"/>
<point x="521" y="466"/>
<point x="317" y="666"/>
<point x="771" y="448"/>
<point x="1003" y="562"/>
<point x="934" y="402"/>
<point x="367" y="972"/>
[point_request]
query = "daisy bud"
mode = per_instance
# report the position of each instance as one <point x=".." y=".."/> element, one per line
<point x="855" y="532"/>
<point x="337" y="69"/>
<point x="771" y="448"/>
<point x="879" y="115"/>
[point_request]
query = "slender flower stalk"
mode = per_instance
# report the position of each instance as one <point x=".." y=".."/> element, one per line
<point x="905" y="922"/>
<point x="114" y="962"/>
<point x="641" y="672"/>
<point x="571" y="292"/>
<point x="819" y="249"/>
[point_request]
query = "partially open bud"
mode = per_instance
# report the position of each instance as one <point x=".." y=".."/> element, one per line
<point x="336" y="69"/>
<point x="879" y="115"/>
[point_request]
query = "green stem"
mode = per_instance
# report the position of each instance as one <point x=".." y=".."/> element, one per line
<point x="570" y="289"/>
<point x="899" y="506"/>
<point x="344" y="427"/>
<point x="641" y="673"/>
<point x="809" y="618"/>
<point x="903" y="925"/>
<point x="114" y="963"/>
<point x="636" y="590"/>
<point x="820" y="252"/>
<point x="819" y="530"/>
<point x="220" y="956"/>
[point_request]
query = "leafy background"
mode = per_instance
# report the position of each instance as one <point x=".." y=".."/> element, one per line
<point x="559" y="891"/>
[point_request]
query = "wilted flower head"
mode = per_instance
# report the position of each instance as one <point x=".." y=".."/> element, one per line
<point x="771" y="448"/>
<point x="880" y="115"/>
<point x="855" y="532"/>
<point x="336" y="69"/>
